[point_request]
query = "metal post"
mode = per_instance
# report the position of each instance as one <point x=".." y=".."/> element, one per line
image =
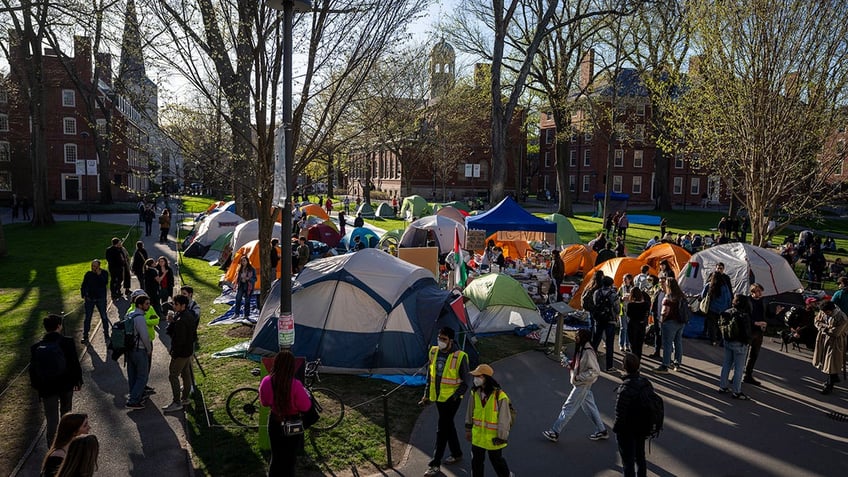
<point x="285" y="240"/>
<point x="386" y="429"/>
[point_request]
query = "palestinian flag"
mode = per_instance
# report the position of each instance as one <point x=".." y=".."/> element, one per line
<point x="461" y="274"/>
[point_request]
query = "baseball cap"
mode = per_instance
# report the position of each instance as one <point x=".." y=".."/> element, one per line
<point x="810" y="300"/>
<point x="137" y="293"/>
<point x="483" y="369"/>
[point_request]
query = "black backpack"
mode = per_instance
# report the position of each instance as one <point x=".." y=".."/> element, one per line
<point x="603" y="311"/>
<point x="49" y="362"/>
<point x="684" y="313"/>
<point x="649" y="407"/>
<point x="123" y="336"/>
<point x="730" y="325"/>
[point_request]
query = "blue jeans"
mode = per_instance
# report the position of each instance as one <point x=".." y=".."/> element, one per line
<point x="138" y="370"/>
<point x="672" y="335"/>
<point x="734" y="355"/>
<point x="623" y="337"/>
<point x="241" y="294"/>
<point x="100" y="303"/>
<point x="607" y="332"/>
<point x="580" y="397"/>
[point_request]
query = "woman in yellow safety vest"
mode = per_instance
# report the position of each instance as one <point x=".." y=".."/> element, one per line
<point x="487" y="422"/>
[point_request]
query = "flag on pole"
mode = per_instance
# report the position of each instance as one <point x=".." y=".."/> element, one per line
<point x="461" y="274"/>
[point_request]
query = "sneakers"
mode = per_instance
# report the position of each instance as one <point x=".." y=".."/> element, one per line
<point x="675" y="367"/>
<point x="751" y="380"/>
<point x="173" y="407"/>
<point x="452" y="460"/>
<point x="740" y="396"/>
<point x="185" y="402"/>
<point x="600" y="436"/>
<point x="551" y="435"/>
<point x="433" y="470"/>
<point x="723" y="390"/>
<point x="660" y="369"/>
<point x="134" y="405"/>
<point x="149" y="391"/>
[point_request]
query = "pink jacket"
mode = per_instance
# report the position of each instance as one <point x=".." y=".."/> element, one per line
<point x="299" y="402"/>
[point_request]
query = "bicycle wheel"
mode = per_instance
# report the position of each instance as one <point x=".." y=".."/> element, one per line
<point x="243" y="407"/>
<point x="330" y="407"/>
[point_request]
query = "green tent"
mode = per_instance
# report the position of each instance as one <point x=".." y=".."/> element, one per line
<point x="392" y="237"/>
<point x="214" y="252"/>
<point x="366" y="210"/>
<point x="457" y="204"/>
<point x="416" y="206"/>
<point x="385" y="211"/>
<point x="496" y="289"/>
<point x="566" y="235"/>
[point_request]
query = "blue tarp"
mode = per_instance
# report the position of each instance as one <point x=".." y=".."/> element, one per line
<point x="613" y="196"/>
<point x="509" y="216"/>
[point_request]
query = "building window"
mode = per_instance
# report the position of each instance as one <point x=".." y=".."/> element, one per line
<point x="616" y="184"/>
<point x="4" y="95"/>
<point x="620" y="107"/>
<point x="587" y="136"/>
<point x="695" y="186"/>
<point x="70" y="125"/>
<point x="619" y="158"/>
<point x="639" y="132"/>
<point x="573" y="135"/>
<point x="638" y="159"/>
<point x="586" y="181"/>
<point x="678" y="186"/>
<point x="640" y="109"/>
<point x="68" y="98"/>
<point x="572" y="180"/>
<point x="548" y="116"/>
<point x="572" y="162"/>
<point x="549" y="136"/>
<point x="587" y="158"/>
<point x="4" y="122"/>
<point x="637" y="185"/>
<point x="101" y="127"/>
<point x="5" y="181"/>
<point x="678" y="162"/>
<point x="547" y="158"/>
<point x="71" y="153"/>
<point x="5" y="155"/>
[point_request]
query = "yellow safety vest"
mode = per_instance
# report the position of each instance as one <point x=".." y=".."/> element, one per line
<point x="485" y="420"/>
<point x="450" y="375"/>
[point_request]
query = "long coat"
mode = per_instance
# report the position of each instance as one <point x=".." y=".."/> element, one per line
<point x="830" y="341"/>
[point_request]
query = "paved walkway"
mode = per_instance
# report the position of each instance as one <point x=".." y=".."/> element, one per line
<point x="143" y="442"/>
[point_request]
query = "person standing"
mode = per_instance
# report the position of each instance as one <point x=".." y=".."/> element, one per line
<point x="24" y="202"/>
<point x="15" y="206"/>
<point x="584" y="371"/>
<point x="342" y="222"/>
<point x="488" y="419"/>
<point x="840" y="298"/>
<point x="605" y="310"/>
<point x="245" y="281"/>
<point x="54" y="372"/>
<point x="275" y="255"/>
<point x="149" y="215"/>
<point x="719" y="292"/>
<point x="447" y="380"/>
<point x="182" y="326"/>
<point x="81" y="460"/>
<point x="287" y="397"/>
<point x="672" y="326"/>
<point x="115" y="258"/>
<point x="93" y="292"/>
<point x="395" y="205"/>
<point x="70" y="426"/>
<point x="627" y="286"/>
<point x="557" y="272"/>
<point x="629" y="433"/>
<point x="638" y="308"/>
<point x="829" y="354"/>
<point x="138" y="357"/>
<point x="139" y="257"/>
<point x="302" y="254"/>
<point x="758" y="328"/>
<point x="623" y="223"/>
<point x="164" y="225"/>
<point x="735" y="325"/>
<point x="346" y="203"/>
<point x="328" y="206"/>
<point x="166" y="280"/>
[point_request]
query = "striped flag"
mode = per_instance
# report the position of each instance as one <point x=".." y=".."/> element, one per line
<point x="461" y="274"/>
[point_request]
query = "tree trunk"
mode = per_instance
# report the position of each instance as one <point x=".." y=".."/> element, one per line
<point x="41" y="214"/>
<point x="103" y="167"/>
<point x="330" y="171"/>
<point x="662" y="198"/>
<point x="563" y="151"/>
<point x="498" y="171"/>
<point x="3" y="250"/>
<point x="366" y="184"/>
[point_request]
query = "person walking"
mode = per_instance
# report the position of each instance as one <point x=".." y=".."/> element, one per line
<point x="488" y="419"/>
<point x="758" y="328"/>
<point x="287" y="397"/>
<point x="116" y="260"/>
<point x="584" y="371"/>
<point x="447" y="380"/>
<point x="55" y="372"/>
<point x="628" y="417"/>
<point x="139" y="257"/>
<point x="81" y="459"/>
<point x="149" y="215"/>
<point x="245" y="281"/>
<point x="93" y="292"/>
<point x="70" y="426"/>
<point x="182" y="326"/>
<point x="164" y="225"/>
<point x="829" y="353"/>
<point x="138" y="357"/>
<point x="735" y="326"/>
<point x="672" y="326"/>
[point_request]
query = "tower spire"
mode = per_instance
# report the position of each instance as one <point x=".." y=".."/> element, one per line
<point x="131" y="69"/>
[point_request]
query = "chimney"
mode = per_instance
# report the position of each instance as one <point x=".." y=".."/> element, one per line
<point x="82" y="57"/>
<point x="587" y="69"/>
<point x="103" y="68"/>
<point x="695" y="66"/>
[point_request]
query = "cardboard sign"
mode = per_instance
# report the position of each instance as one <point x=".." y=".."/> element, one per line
<point x="425" y="257"/>
<point x="475" y="239"/>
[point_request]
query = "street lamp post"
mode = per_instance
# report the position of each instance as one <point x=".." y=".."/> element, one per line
<point x="84" y="136"/>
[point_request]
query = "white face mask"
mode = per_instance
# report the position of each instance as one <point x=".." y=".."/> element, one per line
<point x="479" y="381"/>
<point x="443" y="345"/>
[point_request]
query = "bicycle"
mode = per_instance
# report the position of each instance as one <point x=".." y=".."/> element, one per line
<point x="243" y="404"/>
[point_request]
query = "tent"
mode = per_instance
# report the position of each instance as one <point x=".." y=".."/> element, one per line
<point x="217" y="247"/>
<point x="415" y="206"/>
<point x="514" y="249"/>
<point x="390" y="238"/>
<point x="565" y="235"/>
<point x="315" y="209"/>
<point x="316" y="219"/>
<point x="677" y="256"/>
<point x="251" y="251"/>
<point x="384" y="211"/>
<point x="366" y="236"/>
<point x="249" y="231"/>
<point x="452" y="213"/>
<point x="615" y="268"/>
<point x="365" y="209"/>
<point x="324" y="233"/>
<point x="367" y="312"/>
<point x="498" y="303"/>
<point x="578" y="259"/>
<point x="745" y="264"/>
<point x="456" y="204"/>
<point x="212" y="227"/>
<point x="435" y="227"/>
<point x="509" y="216"/>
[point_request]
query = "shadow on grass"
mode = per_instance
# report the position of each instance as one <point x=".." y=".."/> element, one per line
<point x="224" y="450"/>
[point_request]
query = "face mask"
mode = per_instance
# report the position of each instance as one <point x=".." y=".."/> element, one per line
<point x="479" y="381"/>
<point x="443" y="345"/>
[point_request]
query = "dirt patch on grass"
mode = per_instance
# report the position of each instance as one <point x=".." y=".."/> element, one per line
<point x="243" y="331"/>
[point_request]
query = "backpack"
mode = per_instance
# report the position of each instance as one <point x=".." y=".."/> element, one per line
<point x="123" y="336"/>
<point x="512" y="411"/>
<point x="603" y="311"/>
<point x="730" y="326"/>
<point x="587" y="301"/>
<point x="650" y="411"/>
<point x="684" y="313"/>
<point x="49" y="363"/>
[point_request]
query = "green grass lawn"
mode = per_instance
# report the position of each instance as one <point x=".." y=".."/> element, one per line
<point x="195" y="204"/>
<point x="41" y="274"/>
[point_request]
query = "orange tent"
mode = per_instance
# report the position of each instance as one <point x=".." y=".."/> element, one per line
<point x="578" y="259"/>
<point x="677" y="256"/>
<point x="215" y="205"/>
<point x="514" y="249"/>
<point x="251" y="250"/>
<point x="314" y="209"/>
<point x="615" y="268"/>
